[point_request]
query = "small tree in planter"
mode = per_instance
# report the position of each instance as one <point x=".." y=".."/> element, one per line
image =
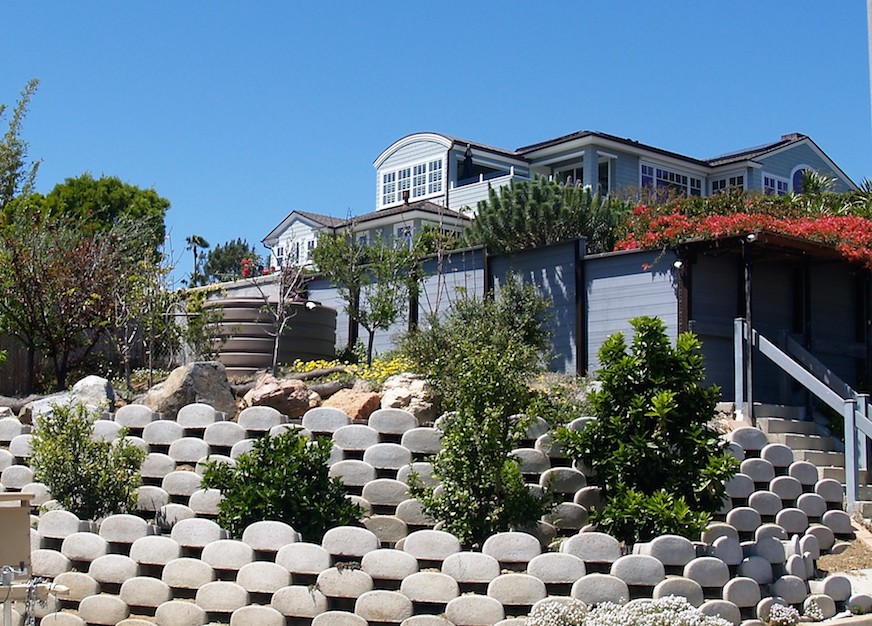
<point x="660" y="466"/>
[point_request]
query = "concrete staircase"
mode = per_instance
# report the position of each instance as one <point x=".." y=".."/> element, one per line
<point x="809" y="442"/>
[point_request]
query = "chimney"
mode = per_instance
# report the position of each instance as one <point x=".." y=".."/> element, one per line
<point x="792" y="136"/>
<point x="405" y="196"/>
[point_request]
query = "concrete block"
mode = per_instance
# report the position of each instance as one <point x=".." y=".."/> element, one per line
<point x="257" y="616"/>
<point x="389" y="564"/>
<point x="157" y="465"/>
<point x="474" y="610"/>
<point x="512" y="547"/>
<point x="39" y="492"/>
<point x="778" y="454"/>
<point x="260" y="419"/>
<point x="155" y="550"/>
<point x="547" y="445"/>
<point x="531" y="461"/>
<point x="809" y="544"/>
<point x="791" y="588"/>
<point x="718" y="529"/>
<point x="196" y="533"/>
<point x="742" y="591"/>
<point x="10" y="428"/>
<point x="171" y="514"/>
<point x="84" y="547"/>
<point x="795" y="566"/>
<point x="197" y="416"/>
<point x="516" y="589"/>
<point x="135" y="416"/>
<point x="19" y="447"/>
<point x="708" y="571"/>
<point x="758" y="470"/>
<point x="223" y="434"/>
<point x="205" y="502"/>
<point x="113" y="569"/>
<point x="824" y="535"/>
<point x="838" y="521"/>
<point x="181" y="483"/>
<point x="770" y="530"/>
<point x="830" y="490"/>
<point x="812" y="504"/>
<point x="593" y="547"/>
<point x="188" y="450"/>
<point x="388" y="528"/>
<point x="562" y="480"/>
<point x="263" y="577"/>
<point x="728" y="550"/>
<point x="680" y="586"/>
<point x="862" y="601"/>
<point x="186" y="573"/>
<point x="162" y="432"/>
<point x="144" y="591"/>
<point x="385" y="491"/>
<point x="430" y="587"/>
<point x="825" y="603"/>
<point x="744" y="519"/>
<point x="227" y="554"/>
<point x="103" y="609"/>
<point x="597" y="588"/>
<point x="383" y="606"/>
<point x="269" y="535"/>
<point x="722" y="608"/>
<point x="387" y="456"/>
<point x="6" y="459"/>
<point x="427" y="620"/>
<point x="352" y="472"/>
<point x="299" y="601"/>
<point x="355" y="437"/>
<point x="638" y="570"/>
<point x="770" y="549"/>
<point x="793" y="521"/>
<point x="423" y="469"/>
<point x="303" y="558"/>
<point x="105" y="430"/>
<point x="137" y="442"/>
<point x="241" y="447"/>
<point x="803" y="471"/>
<point x="349" y="541"/>
<point x="151" y="498"/>
<point x="670" y="550"/>
<point x="836" y="586"/>
<point x="556" y="568"/>
<point x="392" y="421"/>
<point x="411" y="511"/>
<point x="589" y="497"/>
<point x="471" y="567"/>
<point x="422" y="441"/>
<point x="221" y="596"/>
<point x="181" y="613"/>
<point x="15" y="477"/>
<point x="344" y="582"/>
<point x="758" y="568"/>
<point x="48" y="563"/>
<point x="324" y="420"/>
<point x="786" y="487"/>
<point x="431" y="545"/>
<point x="740" y="486"/>
<point x="80" y="585"/>
<point x="123" y="528"/>
<point x="750" y="438"/>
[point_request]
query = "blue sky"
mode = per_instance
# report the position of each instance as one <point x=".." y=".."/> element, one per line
<point x="239" y="113"/>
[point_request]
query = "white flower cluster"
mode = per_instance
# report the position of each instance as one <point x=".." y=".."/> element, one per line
<point x="813" y="611"/>
<point x="668" y="611"/>
<point x="563" y="612"/>
<point x="780" y="615"/>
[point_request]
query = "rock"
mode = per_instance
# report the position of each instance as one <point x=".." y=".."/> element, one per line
<point x="412" y="393"/>
<point x="358" y="405"/>
<point x="289" y="397"/>
<point x="201" y="382"/>
<point x="92" y="391"/>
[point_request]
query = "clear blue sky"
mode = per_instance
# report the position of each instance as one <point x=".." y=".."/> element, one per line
<point x="240" y="112"/>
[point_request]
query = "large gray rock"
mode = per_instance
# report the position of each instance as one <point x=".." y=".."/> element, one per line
<point x="93" y="392"/>
<point x="412" y="393"/>
<point x="201" y="382"/>
<point x="289" y="397"/>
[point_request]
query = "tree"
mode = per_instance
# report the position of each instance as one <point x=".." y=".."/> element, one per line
<point x="541" y="212"/>
<point x="16" y="176"/>
<point x="661" y="467"/>
<point x="195" y="242"/>
<point x="225" y="261"/>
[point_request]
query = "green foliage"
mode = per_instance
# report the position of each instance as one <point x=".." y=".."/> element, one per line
<point x="542" y="212"/>
<point x="480" y="358"/>
<point x="197" y="245"/>
<point x="661" y="467"/>
<point x="224" y="261"/>
<point x="89" y="478"/>
<point x="561" y="402"/>
<point x="199" y="332"/>
<point x="284" y="478"/>
<point x="16" y="177"/>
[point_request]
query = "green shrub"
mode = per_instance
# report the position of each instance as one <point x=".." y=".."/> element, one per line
<point x="660" y="465"/>
<point x="89" y="478"/>
<point x="283" y="478"/>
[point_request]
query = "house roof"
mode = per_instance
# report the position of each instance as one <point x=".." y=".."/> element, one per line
<point x="323" y="220"/>
<point x="423" y="206"/>
<point x="317" y="219"/>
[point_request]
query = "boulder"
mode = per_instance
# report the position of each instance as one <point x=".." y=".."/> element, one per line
<point x="92" y="391"/>
<point x="412" y="393"/>
<point x="358" y="405"/>
<point x="289" y="397"/>
<point x="200" y="382"/>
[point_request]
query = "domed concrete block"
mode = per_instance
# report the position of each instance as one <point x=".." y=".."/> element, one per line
<point x="55" y="618"/>
<point x="786" y="487"/>
<point x="221" y="597"/>
<point x="431" y="545"/>
<point x="269" y="535"/>
<point x="728" y="550"/>
<point x="809" y="544"/>
<point x="186" y="573"/>
<point x="836" y="586"/>
<point x="155" y="550"/>
<point x="562" y="480"/>
<point x="793" y="521"/>
<point x="512" y="547"/>
<point x="471" y="567"/>
<point x="385" y="492"/>
<point x="770" y="530"/>
<point x="671" y="550"/>
<point x="597" y="588"/>
<point x="188" y="450"/>
<point x="137" y="442"/>
<point x="19" y="447"/>
<point x="639" y="570"/>
<point x="825" y="603"/>
<point x="387" y="456"/>
<point x="344" y="582"/>
<point x="766" y="503"/>
<point x="223" y="434"/>
<point x="388" y="564"/>
<point x="791" y="588"/>
<point x="10" y="428"/>
<point x="812" y="505"/>
<point x="757" y="568"/>
<point x="830" y="490"/>
<point x="743" y="592"/>
<point x="157" y="465"/>
<point x="708" y="571"/>
<point x="744" y="519"/>
<point x="780" y="455"/>
<point x="260" y="419"/>
<point x="303" y="558"/>
<point x="263" y="577"/>
<point x="241" y="447"/>
<point x="392" y="421"/>
<point x="795" y="566"/>
<point x="750" y="438"/>
<point x="196" y="533"/>
<point x="113" y="569"/>
<point x="862" y="601"/>
<point x="162" y="432"/>
<point x="205" y="502"/>
<point x="388" y="528"/>
<point x="48" y="563"/>
<point x="430" y="587"/>
<point x="144" y="591"/>
<point x="383" y="606"/>
<point x="556" y="568"/>
<point x="839" y="522"/>
<point x="257" y="616"/>
<point x="84" y="547"/>
<point x="803" y="471"/>
<point x="349" y="541"/>
<point x="823" y="534"/>
<point x="324" y="420"/>
<point x="769" y="548"/>
<point x="7" y="459"/>
<point x="227" y="554"/>
<point x="423" y="469"/>
<point x="151" y="498"/>
<point x="722" y="608"/>
<point x="353" y="472"/>
<point x="105" y="430"/>
<point x="680" y="586"/>
<point x="80" y="585"/>
<point x="411" y="511"/>
<point x="135" y="416"/>
<point x="516" y="589"/>
<point x="589" y="497"/>
<point x="123" y="528"/>
<point x="473" y="610"/>
<point x="531" y="461"/>
<point x="181" y="613"/>
<point x="15" y="477"/>
<point x="171" y="514"/>
<point x="103" y="609"/>
<point x="197" y="416"/>
<point x="355" y="437"/>
<point x="758" y="470"/>
<point x="299" y="601"/>
<point x="422" y="441"/>
<point x="718" y="529"/>
<point x="593" y="547"/>
<point x="427" y="620"/>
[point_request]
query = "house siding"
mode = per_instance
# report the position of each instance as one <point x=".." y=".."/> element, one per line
<point x="833" y="319"/>
<point x="783" y="163"/>
<point x="409" y="154"/>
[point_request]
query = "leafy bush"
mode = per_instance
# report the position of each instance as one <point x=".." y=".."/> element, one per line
<point x="283" y="478"/>
<point x="89" y="478"/>
<point x="660" y="465"/>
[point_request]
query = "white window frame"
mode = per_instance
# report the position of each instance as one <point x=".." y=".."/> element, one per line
<point x="389" y="188"/>
<point x="671" y="177"/>
<point x="735" y="180"/>
<point x="779" y="185"/>
<point x="422" y="179"/>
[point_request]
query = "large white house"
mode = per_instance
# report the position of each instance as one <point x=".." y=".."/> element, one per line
<point x="435" y="179"/>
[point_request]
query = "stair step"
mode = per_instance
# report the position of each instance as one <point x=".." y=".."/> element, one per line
<point x="820" y="458"/>
<point x="838" y="473"/>
<point x="797" y="442"/>
<point x="773" y="425"/>
<point x="779" y="410"/>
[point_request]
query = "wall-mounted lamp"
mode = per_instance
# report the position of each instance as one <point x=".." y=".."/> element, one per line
<point x="752" y="237"/>
<point x="678" y="264"/>
<point x="311" y="305"/>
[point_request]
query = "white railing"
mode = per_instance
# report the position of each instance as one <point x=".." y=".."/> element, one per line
<point x="820" y="381"/>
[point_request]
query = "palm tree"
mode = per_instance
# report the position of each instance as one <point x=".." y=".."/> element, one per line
<point x="194" y="242"/>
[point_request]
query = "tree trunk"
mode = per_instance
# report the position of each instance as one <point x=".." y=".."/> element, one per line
<point x="29" y="367"/>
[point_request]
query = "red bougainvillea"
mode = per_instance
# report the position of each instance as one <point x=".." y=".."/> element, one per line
<point x="667" y="225"/>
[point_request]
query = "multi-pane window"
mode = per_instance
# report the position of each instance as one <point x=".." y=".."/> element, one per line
<point x="662" y="178"/>
<point x="730" y="182"/>
<point x="280" y="256"/>
<point x="434" y="169"/>
<point x="404" y="237"/>
<point x="404" y="181"/>
<point x="310" y="246"/>
<point x="773" y="186"/>
<point x="419" y="180"/>
<point x="389" y="188"/>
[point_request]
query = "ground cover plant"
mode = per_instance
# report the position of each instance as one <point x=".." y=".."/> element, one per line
<point x="661" y="467"/>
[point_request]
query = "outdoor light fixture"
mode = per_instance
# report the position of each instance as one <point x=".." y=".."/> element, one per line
<point x="678" y="264"/>
<point x="752" y="237"/>
<point x="311" y="305"/>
